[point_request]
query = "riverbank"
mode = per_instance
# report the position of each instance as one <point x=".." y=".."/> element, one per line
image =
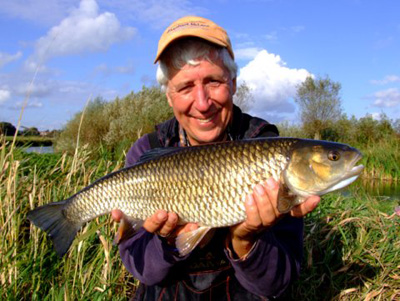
<point x="22" y="141"/>
<point x="352" y="250"/>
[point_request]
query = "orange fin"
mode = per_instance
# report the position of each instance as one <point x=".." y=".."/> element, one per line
<point x="286" y="199"/>
<point x="186" y="242"/>
<point x="126" y="229"/>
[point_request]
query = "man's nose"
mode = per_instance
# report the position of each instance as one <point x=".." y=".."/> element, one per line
<point x="202" y="101"/>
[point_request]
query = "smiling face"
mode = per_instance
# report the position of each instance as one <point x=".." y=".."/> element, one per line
<point x="201" y="97"/>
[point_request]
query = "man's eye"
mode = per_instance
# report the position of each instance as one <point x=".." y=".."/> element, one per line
<point x="214" y="82"/>
<point x="184" y="88"/>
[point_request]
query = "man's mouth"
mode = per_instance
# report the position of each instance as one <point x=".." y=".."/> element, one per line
<point x="205" y="120"/>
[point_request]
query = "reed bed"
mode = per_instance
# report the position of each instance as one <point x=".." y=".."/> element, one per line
<point x="352" y="250"/>
<point x="382" y="160"/>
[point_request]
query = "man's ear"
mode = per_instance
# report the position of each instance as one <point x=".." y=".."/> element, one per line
<point x="168" y="98"/>
<point x="234" y="86"/>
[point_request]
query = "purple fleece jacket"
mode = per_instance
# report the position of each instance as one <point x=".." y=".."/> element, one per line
<point x="267" y="270"/>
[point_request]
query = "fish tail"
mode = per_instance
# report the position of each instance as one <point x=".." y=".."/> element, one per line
<point x="51" y="219"/>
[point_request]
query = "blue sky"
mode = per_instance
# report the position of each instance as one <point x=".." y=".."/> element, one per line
<point x="62" y="52"/>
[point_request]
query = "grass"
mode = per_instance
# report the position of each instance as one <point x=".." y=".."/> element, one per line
<point x="382" y="160"/>
<point x="352" y="250"/>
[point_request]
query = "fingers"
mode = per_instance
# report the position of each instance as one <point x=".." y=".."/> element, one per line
<point x="260" y="209"/>
<point x="266" y="196"/>
<point x="169" y="226"/>
<point x="264" y="201"/>
<point x="253" y="220"/>
<point x="117" y="215"/>
<point x="306" y="207"/>
<point x="161" y="222"/>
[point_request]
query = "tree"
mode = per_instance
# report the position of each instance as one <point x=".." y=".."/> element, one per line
<point x="243" y="97"/>
<point x="32" y="131"/>
<point x="320" y="104"/>
<point x="7" y="129"/>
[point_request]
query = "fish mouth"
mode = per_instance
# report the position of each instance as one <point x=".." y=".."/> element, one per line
<point x="349" y="177"/>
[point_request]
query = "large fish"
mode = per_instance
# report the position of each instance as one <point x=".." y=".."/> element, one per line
<point x="204" y="184"/>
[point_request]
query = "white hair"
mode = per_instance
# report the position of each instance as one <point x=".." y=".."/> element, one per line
<point x="190" y="51"/>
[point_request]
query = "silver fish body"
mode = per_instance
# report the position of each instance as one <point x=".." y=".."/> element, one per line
<point x="204" y="184"/>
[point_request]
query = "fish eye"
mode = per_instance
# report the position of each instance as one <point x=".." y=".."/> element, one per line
<point x="333" y="155"/>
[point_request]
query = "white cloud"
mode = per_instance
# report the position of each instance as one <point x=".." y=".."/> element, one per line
<point x="155" y="13"/>
<point x="386" y="80"/>
<point x="83" y="31"/>
<point x="33" y="90"/>
<point x="6" y="58"/>
<point x="387" y="98"/>
<point x="272" y="83"/>
<point x="4" y="95"/>
<point x="107" y="70"/>
<point x="376" y="115"/>
<point x="246" y="53"/>
<point x="34" y="104"/>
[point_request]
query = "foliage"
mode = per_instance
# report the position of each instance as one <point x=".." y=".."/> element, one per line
<point x="32" y="131"/>
<point x="115" y="125"/>
<point x="7" y="129"/>
<point x="26" y="141"/>
<point x="376" y="139"/>
<point x="351" y="243"/>
<point x="290" y="130"/>
<point x="243" y="97"/>
<point x="320" y="104"/>
<point x="352" y="251"/>
<point x="29" y="268"/>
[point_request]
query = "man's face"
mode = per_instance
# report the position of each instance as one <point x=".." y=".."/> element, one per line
<point x="202" y="100"/>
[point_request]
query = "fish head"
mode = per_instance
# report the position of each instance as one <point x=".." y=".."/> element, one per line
<point x="318" y="167"/>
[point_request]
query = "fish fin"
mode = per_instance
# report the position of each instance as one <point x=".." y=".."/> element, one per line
<point x="186" y="242"/>
<point x="157" y="152"/>
<point x="126" y="229"/>
<point x="286" y="199"/>
<point x="51" y="219"/>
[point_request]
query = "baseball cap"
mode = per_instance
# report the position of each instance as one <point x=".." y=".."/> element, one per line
<point x="193" y="26"/>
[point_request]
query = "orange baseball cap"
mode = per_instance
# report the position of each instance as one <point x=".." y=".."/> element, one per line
<point x="192" y="26"/>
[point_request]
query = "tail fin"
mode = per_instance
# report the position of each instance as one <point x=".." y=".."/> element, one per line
<point x="51" y="219"/>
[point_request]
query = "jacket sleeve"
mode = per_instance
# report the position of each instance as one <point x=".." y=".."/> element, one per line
<point x="145" y="255"/>
<point x="274" y="261"/>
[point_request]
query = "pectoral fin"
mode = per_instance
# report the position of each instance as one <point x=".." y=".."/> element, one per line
<point x="186" y="242"/>
<point x="126" y="229"/>
<point x="286" y="199"/>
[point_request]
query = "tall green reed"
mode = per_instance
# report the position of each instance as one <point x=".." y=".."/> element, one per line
<point x="29" y="268"/>
<point x="352" y="250"/>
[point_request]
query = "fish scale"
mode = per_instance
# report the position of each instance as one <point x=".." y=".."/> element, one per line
<point x="204" y="184"/>
<point x="197" y="169"/>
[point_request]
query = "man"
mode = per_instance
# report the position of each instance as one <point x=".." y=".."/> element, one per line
<point x="254" y="260"/>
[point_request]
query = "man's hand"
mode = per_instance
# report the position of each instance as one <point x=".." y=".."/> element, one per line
<point x="262" y="213"/>
<point x="162" y="223"/>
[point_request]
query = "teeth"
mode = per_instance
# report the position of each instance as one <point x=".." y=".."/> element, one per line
<point x="206" y="120"/>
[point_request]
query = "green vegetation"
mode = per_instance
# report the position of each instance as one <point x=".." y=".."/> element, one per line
<point x="112" y="127"/>
<point x="378" y="140"/>
<point x="352" y="250"/>
<point x="320" y="104"/>
<point x="351" y="243"/>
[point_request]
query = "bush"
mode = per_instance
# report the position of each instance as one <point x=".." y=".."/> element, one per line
<point x="112" y="127"/>
<point x="7" y="129"/>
